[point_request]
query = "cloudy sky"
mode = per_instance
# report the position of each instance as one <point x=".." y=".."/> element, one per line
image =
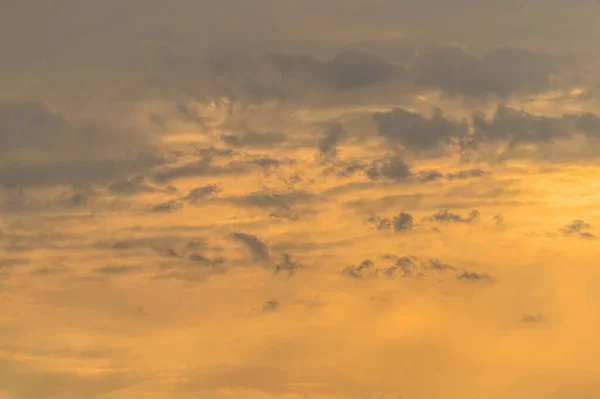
<point x="299" y="199"/>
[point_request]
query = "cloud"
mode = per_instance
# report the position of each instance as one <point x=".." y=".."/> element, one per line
<point x="393" y="168"/>
<point x="348" y="70"/>
<point x="445" y="216"/>
<point x="364" y="269"/>
<point x="403" y="222"/>
<point x="416" y="132"/>
<point x="405" y="267"/>
<point x="117" y="270"/>
<point x="328" y="144"/>
<point x="521" y="127"/>
<point x="200" y="193"/>
<point x="41" y="147"/>
<point x="271" y="306"/>
<point x="577" y="228"/>
<point x="532" y="318"/>
<point x="502" y="72"/>
<point x="289" y="265"/>
<point x="169" y="206"/>
<point x="474" y="276"/>
<point x="254" y="139"/>
<point x="433" y="175"/>
<point x="257" y="247"/>
<point x="134" y="185"/>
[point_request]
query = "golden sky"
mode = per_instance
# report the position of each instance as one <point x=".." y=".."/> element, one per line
<point x="299" y="199"/>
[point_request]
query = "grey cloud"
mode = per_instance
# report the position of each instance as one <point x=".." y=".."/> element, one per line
<point x="117" y="270"/>
<point x="445" y="216"/>
<point x="435" y="264"/>
<point x="25" y="125"/>
<point x="433" y="175"/>
<point x="11" y="262"/>
<point x="502" y="72"/>
<point x="474" y="276"/>
<point x="257" y="247"/>
<point x="271" y="306"/>
<point x="405" y="267"/>
<point x="17" y="175"/>
<point x="393" y="168"/>
<point x="167" y="252"/>
<point x="289" y="265"/>
<point x="163" y="245"/>
<point x="43" y="148"/>
<point x="328" y="144"/>
<point x="132" y="186"/>
<point x="50" y="271"/>
<point x="254" y="139"/>
<point x="519" y="127"/>
<point x="402" y="222"/>
<point x="286" y="205"/>
<point x="169" y="206"/>
<point x="578" y="228"/>
<point x="532" y="318"/>
<point x="347" y="70"/>
<point x="196" y="169"/>
<point x="416" y="132"/>
<point x="199" y="193"/>
<point x="360" y="271"/>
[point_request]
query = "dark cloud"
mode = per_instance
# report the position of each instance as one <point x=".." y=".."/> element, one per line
<point x="353" y="69"/>
<point x="169" y="206"/>
<point x="289" y="265"/>
<point x="117" y="270"/>
<point x="203" y="167"/>
<point x="532" y="318"/>
<point x="199" y="259"/>
<point x="50" y="271"/>
<point x="519" y="127"/>
<point x="366" y="267"/>
<point x="17" y="175"/>
<point x="27" y="125"/>
<point x="445" y="216"/>
<point x="402" y="222"/>
<point x="347" y="70"/>
<point x="578" y="228"/>
<point x="436" y="264"/>
<point x="502" y="72"/>
<point x="167" y="252"/>
<point x="199" y="193"/>
<point x="404" y="267"/>
<point x="258" y="248"/>
<point x="132" y="186"/>
<point x="254" y="139"/>
<point x="287" y="205"/>
<point x="328" y="144"/>
<point x="393" y="168"/>
<point x="433" y="175"/>
<point x="417" y="132"/>
<point x="11" y="262"/>
<point x="474" y="276"/>
<point x="271" y="306"/>
<point x="40" y="147"/>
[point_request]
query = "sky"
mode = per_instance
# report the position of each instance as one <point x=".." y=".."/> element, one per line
<point x="299" y="199"/>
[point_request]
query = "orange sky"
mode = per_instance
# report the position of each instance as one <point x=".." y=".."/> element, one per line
<point x="301" y="200"/>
